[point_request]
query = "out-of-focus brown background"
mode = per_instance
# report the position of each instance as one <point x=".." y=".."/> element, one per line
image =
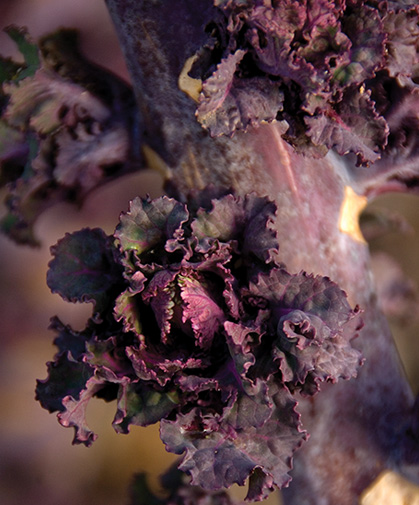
<point x="38" y="464"/>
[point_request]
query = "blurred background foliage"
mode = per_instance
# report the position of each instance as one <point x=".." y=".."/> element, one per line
<point x="38" y="464"/>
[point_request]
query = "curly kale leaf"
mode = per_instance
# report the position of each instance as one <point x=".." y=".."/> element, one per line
<point x="228" y="103"/>
<point x="197" y="325"/>
<point x="151" y="223"/>
<point x="314" y="325"/>
<point x="218" y="453"/>
<point x="65" y="129"/>
<point x="312" y="65"/>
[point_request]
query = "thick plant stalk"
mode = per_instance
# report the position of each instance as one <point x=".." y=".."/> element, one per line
<point x="357" y="428"/>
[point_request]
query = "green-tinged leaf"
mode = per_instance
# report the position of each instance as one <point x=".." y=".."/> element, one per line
<point x="141" y="404"/>
<point x="149" y="223"/>
<point x="223" y="222"/>
<point x="127" y="310"/>
<point x="28" y="49"/>
<point x="17" y="229"/>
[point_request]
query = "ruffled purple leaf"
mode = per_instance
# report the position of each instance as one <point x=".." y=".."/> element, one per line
<point x="247" y="221"/>
<point x="105" y="354"/>
<point x="252" y="408"/>
<point x="74" y="413"/>
<point x="366" y="54"/>
<point x="149" y="223"/>
<point x="69" y="340"/>
<point x="223" y="222"/>
<point x="219" y="458"/>
<point x="354" y="127"/>
<point x="259" y="235"/>
<point x="218" y="266"/>
<point x="270" y="34"/>
<point x="215" y="92"/>
<point x="315" y="326"/>
<point x="161" y="364"/>
<point x="402" y="44"/>
<point x="241" y="341"/>
<point x="84" y="268"/>
<point x="228" y="103"/>
<point x="307" y="346"/>
<point x="323" y="60"/>
<point x="211" y="458"/>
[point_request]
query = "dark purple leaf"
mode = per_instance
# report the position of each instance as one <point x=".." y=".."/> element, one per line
<point x="241" y="341"/>
<point x="366" y="54"/>
<point x="84" y="268"/>
<point x="69" y="340"/>
<point x="160" y="364"/>
<point x="74" y="412"/>
<point x="259" y="235"/>
<point x="160" y="293"/>
<point x="66" y="377"/>
<point x="252" y="408"/>
<point x="323" y="59"/>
